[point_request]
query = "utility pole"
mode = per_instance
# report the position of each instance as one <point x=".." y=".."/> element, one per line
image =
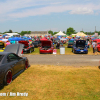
<point x="95" y="29"/>
<point x="82" y="29"/>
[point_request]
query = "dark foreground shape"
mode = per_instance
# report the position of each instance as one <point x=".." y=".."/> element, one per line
<point x="99" y="67"/>
<point x="11" y="65"/>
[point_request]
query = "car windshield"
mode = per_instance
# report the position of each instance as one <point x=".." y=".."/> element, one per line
<point x="70" y="42"/>
<point x="1" y="56"/>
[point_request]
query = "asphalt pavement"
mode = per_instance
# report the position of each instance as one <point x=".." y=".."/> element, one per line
<point x="77" y="60"/>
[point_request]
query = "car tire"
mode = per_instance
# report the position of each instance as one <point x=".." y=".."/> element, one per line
<point x="26" y="64"/>
<point x="8" y="77"/>
<point x="86" y="52"/>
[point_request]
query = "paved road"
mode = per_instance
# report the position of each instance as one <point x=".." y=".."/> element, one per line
<point x="67" y="60"/>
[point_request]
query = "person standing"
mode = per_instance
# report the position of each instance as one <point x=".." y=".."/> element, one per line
<point x="94" y="46"/>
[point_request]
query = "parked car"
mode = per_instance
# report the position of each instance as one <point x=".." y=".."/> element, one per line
<point x="36" y="44"/>
<point x="11" y="63"/>
<point x="2" y="46"/>
<point x="98" y="44"/>
<point x="28" y="47"/>
<point x="80" y="47"/>
<point x="46" y="47"/>
<point x="70" y="43"/>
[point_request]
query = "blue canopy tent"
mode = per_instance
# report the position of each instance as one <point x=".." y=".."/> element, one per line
<point x="72" y="39"/>
<point x="4" y="35"/>
<point x="13" y="40"/>
<point x="56" y="39"/>
<point x="16" y="39"/>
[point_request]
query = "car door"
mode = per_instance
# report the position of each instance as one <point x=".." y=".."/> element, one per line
<point x="15" y="62"/>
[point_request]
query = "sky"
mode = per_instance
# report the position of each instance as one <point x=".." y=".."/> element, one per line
<point x="45" y="15"/>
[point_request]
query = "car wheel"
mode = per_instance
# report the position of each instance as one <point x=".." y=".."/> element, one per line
<point x="26" y="64"/>
<point x="86" y="52"/>
<point x="8" y="77"/>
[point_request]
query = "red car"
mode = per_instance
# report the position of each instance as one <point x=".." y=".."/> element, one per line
<point x="98" y="44"/>
<point x="28" y="48"/>
<point x="46" y="46"/>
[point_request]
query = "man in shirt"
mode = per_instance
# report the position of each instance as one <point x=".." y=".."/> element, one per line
<point x="94" y="46"/>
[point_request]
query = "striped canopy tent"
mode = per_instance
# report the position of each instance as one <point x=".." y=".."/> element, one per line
<point x="81" y="34"/>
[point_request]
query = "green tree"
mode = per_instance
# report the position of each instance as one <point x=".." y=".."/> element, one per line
<point x="50" y="32"/>
<point x="64" y="32"/>
<point x="10" y="31"/>
<point x="55" y="33"/>
<point x="70" y="31"/>
<point x="25" y="32"/>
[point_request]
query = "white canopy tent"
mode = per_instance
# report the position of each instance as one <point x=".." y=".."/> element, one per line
<point x="60" y="34"/>
<point x="12" y="34"/>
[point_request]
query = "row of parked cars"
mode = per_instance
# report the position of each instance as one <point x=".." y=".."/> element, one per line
<point x="47" y="46"/>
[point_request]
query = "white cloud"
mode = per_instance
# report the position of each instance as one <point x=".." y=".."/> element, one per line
<point x="83" y="10"/>
<point x="11" y="9"/>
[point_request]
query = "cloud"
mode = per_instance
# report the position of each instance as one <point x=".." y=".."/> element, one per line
<point x="83" y="10"/>
<point x="13" y="9"/>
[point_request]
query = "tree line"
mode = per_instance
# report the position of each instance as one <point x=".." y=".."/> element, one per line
<point x="68" y="32"/>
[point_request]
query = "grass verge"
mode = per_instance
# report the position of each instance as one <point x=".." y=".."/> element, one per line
<point x="48" y="82"/>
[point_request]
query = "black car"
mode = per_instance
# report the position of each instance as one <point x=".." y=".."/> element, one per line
<point x="80" y="46"/>
<point x="36" y="44"/>
<point x="11" y="63"/>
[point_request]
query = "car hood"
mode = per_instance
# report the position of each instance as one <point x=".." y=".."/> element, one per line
<point x="14" y="48"/>
<point x="46" y="43"/>
<point x="24" y="42"/>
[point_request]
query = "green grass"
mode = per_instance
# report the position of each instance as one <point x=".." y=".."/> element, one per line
<point x="43" y="82"/>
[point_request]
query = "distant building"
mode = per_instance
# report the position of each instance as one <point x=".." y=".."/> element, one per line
<point x="38" y="33"/>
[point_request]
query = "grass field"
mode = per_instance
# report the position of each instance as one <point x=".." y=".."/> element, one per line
<point x="48" y="82"/>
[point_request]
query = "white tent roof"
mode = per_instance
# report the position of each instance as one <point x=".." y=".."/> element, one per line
<point x="12" y="34"/>
<point x="60" y="34"/>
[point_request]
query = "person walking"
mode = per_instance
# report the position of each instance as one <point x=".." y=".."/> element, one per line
<point x="94" y="46"/>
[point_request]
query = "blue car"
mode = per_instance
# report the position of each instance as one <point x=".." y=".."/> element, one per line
<point x="80" y="46"/>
